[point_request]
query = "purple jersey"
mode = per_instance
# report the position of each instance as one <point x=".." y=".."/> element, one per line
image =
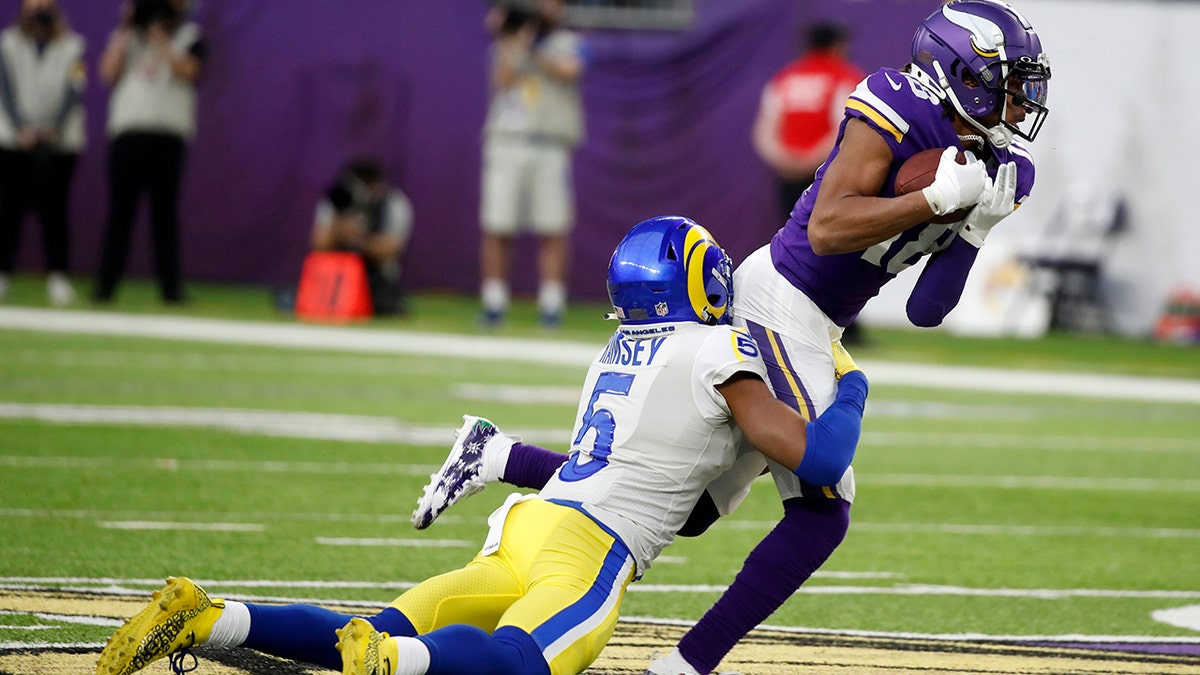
<point x="909" y="117"/>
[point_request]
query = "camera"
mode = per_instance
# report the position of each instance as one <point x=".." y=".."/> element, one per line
<point x="347" y="194"/>
<point x="518" y="14"/>
<point x="147" y="12"/>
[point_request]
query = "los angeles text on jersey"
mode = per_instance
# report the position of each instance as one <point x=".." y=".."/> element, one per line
<point x="624" y="351"/>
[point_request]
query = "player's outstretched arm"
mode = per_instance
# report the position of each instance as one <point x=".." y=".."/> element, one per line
<point x="819" y="451"/>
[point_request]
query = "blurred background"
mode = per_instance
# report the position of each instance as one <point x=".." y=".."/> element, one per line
<point x="293" y="88"/>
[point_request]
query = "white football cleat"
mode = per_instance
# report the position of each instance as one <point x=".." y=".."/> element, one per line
<point x="462" y="474"/>
<point x="671" y="664"/>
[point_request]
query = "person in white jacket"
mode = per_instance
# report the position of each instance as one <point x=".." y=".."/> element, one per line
<point x="42" y="78"/>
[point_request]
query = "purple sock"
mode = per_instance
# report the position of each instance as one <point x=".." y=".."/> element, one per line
<point x="530" y="466"/>
<point x="782" y="561"/>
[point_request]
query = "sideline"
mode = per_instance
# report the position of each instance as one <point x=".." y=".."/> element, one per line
<point x="563" y="353"/>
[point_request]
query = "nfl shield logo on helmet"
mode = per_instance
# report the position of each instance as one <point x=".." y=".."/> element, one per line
<point x="661" y="309"/>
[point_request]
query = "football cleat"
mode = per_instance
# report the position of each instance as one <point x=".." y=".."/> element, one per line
<point x="366" y="651"/>
<point x="671" y="664"/>
<point x="179" y="616"/>
<point x="460" y="476"/>
<point x="674" y="664"/>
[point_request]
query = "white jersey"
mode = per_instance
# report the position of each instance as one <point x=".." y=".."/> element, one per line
<point x="652" y="430"/>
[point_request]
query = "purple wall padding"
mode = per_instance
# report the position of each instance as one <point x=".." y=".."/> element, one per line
<point x="292" y="88"/>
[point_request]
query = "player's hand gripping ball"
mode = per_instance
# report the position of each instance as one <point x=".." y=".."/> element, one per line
<point x="918" y="173"/>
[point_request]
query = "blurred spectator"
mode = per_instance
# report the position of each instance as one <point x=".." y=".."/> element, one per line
<point x="534" y="121"/>
<point x="41" y="135"/>
<point x="801" y="110"/>
<point x="799" y="115"/>
<point x="363" y="214"/>
<point x="152" y="61"/>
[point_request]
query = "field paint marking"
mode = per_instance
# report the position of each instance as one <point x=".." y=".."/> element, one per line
<point x="513" y="393"/>
<point x="364" y="428"/>
<point x="165" y="525"/>
<point x="381" y="518"/>
<point x="319" y="426"/>
<point x="215" y="465"/>
<point x="60" y="646"/>
<point x="415" y="543"/>
<point x="62" y="618"/>
<point x="298" y="336"/>
<point x="954" y="637"/>
<point x="1031" y="442"/>
<point x="1182" y="617"/>
<point x="116" y="586"/>
<point x="934" y="528"/>
<point x="558" y="352"/>
<point x="1024" y="482"/>
<point x="897" y="479"/>
<point x="1009" y="530"/>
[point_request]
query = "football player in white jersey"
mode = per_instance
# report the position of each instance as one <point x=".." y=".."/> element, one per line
<point x="663" y="412"/>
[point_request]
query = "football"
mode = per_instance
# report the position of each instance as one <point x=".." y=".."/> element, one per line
<point x="918" y="172"/>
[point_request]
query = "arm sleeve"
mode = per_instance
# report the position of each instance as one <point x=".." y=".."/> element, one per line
<point x="941" y="283"/>
<point x="833" y="437"/>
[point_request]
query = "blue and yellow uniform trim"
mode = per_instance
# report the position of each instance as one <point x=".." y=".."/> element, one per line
<point x="789" y="388"/>
<point x="559" y="576"/>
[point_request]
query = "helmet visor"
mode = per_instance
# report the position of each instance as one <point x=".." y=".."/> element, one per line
<point x="1027" y="86"/>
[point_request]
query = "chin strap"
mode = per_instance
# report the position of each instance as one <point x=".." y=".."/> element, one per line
<point x="998" y="136"/>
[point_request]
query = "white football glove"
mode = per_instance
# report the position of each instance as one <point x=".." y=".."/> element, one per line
<point x="996" y="204"/>
<point x="955" y="185"/>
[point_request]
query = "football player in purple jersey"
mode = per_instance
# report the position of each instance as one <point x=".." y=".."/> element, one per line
<point x="977" y="83"/>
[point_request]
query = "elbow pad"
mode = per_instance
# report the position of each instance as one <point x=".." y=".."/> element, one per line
<point x="832" y="438"/>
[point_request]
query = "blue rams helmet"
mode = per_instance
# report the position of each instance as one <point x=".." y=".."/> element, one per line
<point x="670" y="268"/>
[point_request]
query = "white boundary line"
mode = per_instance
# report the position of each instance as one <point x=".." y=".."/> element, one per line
<point x="559" y="352"/>
<point x="115" y="588"/>
<point x="120" y="587"/>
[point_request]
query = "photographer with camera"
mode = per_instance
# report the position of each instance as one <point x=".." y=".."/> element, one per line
<point x="41" y="136"/>
<point x="361" y="213"/>
<point x="535" y="120"/>
<point x="152" y="61"/>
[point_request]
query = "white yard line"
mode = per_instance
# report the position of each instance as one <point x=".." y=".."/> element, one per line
<point x="138" y="588"/>
<point x="557" y="352"/>
<point x="123" y="587"/>
<point x="319" y="426"/>
<point x="175" y="525"/>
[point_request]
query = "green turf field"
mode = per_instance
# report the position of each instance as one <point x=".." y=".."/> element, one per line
<point x="125" y="459"/>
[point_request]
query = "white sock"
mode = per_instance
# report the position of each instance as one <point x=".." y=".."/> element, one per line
<point x="552" y="297"/>
<point x="495" y="457"/>
<point x="412" y="656"/>
<point x="494" y="295"/>
<point x="231" y="628"/>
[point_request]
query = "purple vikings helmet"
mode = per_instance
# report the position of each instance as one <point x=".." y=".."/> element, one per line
<point x="998" y="49"/>
<point x="670" y="268"/>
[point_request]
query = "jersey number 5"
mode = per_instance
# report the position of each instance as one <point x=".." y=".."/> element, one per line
<point x="601" y="420"/>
